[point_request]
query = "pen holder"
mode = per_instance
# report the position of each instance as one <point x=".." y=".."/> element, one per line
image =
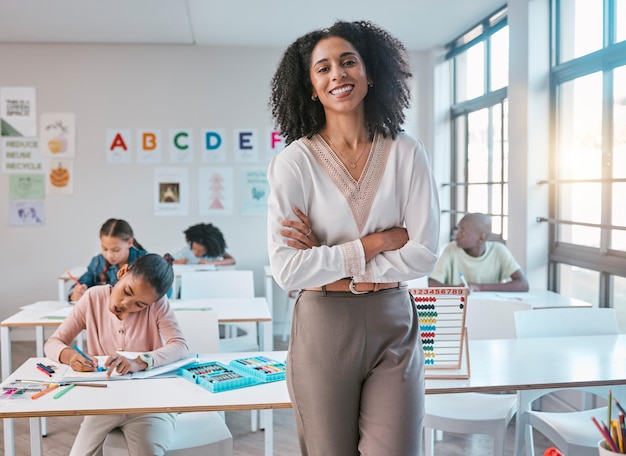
<point x="605" y="450"/>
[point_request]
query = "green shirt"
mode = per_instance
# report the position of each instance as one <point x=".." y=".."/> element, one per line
<point x="496" y="265"/>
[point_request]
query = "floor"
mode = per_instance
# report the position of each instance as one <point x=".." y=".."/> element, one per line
<point x="61" y="430"/>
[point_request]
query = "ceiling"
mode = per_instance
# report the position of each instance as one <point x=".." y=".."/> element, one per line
<point x="419" y="24"/>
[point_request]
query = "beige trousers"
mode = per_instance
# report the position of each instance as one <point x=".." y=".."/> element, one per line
<point x="355" y="374"/>
<point x="146" y="434"/>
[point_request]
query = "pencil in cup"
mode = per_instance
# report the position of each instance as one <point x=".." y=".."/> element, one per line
<point x="606" y="434"/>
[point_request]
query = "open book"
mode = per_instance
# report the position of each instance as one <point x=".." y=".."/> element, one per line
<point x="171" y="369"/>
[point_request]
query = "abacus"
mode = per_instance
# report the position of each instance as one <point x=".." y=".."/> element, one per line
<point x="442" y="329"/>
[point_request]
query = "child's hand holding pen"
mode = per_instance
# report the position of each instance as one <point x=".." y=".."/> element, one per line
<point x="465" y="283"/>
<point x="78" y="291"/>
<point x="79" y="288"/>
<point x="81" y="362"/>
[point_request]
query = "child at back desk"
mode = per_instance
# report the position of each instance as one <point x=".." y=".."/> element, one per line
<point x="119" y="247"/>
<point x="484" y="265"/>
<point x="133" y="315"/>
<point x="206" y="245"/>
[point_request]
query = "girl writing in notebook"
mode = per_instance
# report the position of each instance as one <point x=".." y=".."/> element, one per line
<point x="119" y="247"/>
<point x="133" y="315"/>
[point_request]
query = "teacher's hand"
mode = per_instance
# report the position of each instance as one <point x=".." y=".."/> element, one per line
<point x="300" y="235"/>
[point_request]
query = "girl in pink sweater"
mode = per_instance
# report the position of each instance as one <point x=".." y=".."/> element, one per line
<point x="133" y="315"/>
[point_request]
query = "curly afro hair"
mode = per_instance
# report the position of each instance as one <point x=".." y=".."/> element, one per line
<point x="208" y="236"/>
<point x="296" y="115"/>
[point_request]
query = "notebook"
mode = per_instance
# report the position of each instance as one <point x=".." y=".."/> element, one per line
<point x="171" y="369"/>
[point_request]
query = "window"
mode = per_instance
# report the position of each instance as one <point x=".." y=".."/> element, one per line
<point x="588" y="179"/>
<point x="479" y="174"/>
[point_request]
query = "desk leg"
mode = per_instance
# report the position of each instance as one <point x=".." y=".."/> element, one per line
<point x="39" y="341"/>
<point x="9" y="444"/>
<point x="268" y="417"/>
<point x="39" y="338"/>
<point x="61" y="290"/>
<point x="36" y="447"/>
<point x="269" y="293"/>
<point x="523" y="432"/>
<point x="266" y="336"/>
<point x="5" y="342"/>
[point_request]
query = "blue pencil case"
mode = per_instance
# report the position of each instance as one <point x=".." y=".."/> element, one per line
<point x="260" y="367"/>
<point x="215" y="377"/>
<point x="239" y="373"/>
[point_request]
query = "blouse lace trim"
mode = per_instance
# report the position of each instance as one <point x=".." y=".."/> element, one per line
<point x="359" y="194"/>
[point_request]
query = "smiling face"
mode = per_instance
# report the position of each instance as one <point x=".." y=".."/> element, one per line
<point x="131" y="294"/>
<point x="338" y="75"/>
<point x="115" y="250"/>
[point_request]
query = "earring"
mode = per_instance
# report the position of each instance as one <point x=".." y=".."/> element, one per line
<point x="370" y="83"/>
<point x="314" y="97"/>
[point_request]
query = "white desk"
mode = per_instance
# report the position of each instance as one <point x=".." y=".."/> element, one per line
<point x="64" y="279"/>
<point x="507" y="365"/>
<point x="538" y="299"/>
<point x="502" y="365"/>
<point x="237" y="310"/>
<point x="145" y="396"/>
<point x="229" y="310"/>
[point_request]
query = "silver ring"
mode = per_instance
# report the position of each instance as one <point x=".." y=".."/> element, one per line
<point x="309" y="233"/>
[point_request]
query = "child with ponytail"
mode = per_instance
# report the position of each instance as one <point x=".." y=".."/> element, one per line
<point x="119" y="248"/>
<point x="134" y="315"/>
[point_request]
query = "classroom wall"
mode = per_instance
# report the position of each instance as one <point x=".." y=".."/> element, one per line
<point x="135" y="87"/>
<point x="129" y="86"/>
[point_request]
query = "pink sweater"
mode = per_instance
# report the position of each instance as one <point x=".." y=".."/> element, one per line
<point x="153" y="330"/>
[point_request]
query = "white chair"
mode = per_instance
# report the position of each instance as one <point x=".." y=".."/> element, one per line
<point x="570" y="432"/>
<point x="229" y="283"/>
<point x="196" y="433"/>
<point x="476" y="413"/>
<point x="224" y="284"/>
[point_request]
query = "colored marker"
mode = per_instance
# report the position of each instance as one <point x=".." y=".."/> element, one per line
<point x="64" y="390"/>
<point x="80" y="352"/>
<point x="463" y="280"/>
<point x="69" y="274"/>
<point x="44" y="370"/>
<point x="42" y="392"/>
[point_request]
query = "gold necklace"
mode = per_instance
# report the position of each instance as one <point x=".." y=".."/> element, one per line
<point x="351" y="164"/>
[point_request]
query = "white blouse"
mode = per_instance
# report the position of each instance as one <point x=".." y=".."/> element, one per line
<point x="395" y="189"/>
